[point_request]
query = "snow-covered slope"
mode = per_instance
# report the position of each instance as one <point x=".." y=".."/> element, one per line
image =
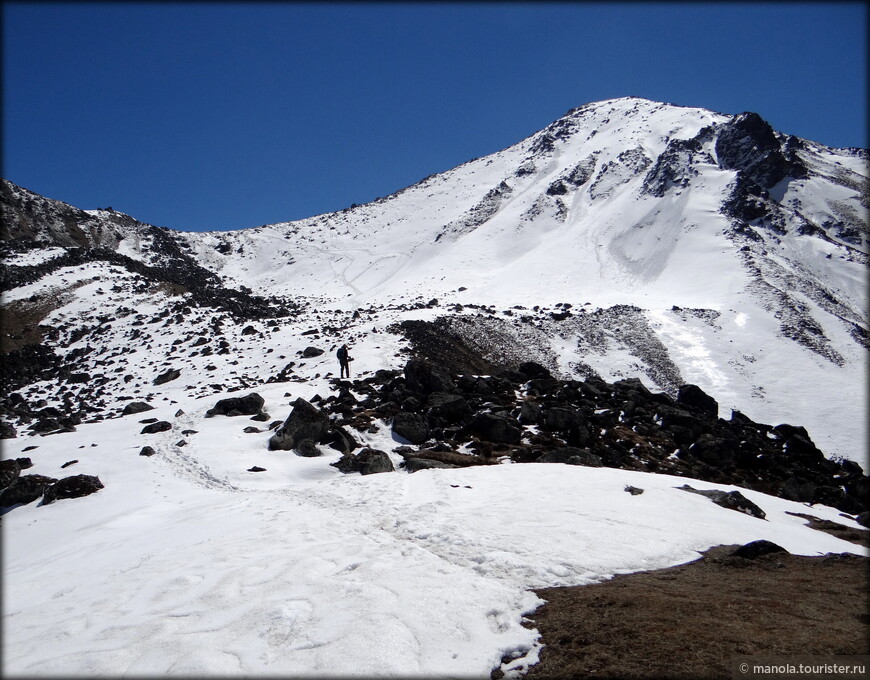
<point x="744" y="249"/>
<point x="628" y="239"/>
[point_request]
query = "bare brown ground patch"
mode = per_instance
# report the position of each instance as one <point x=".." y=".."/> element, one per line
<point x="692" y="620"/>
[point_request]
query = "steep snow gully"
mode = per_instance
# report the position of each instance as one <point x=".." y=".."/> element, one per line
<point x="549" y="343"/>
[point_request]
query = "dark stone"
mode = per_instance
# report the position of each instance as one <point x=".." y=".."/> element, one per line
<point x="756" y="549"/>
<point x="534" y="370"/>
<point x="307" y="449"/>
<point x="256" y="468"/>
<point x="410" y="427"/>
<point x="25" y="489"/>
<point x="451" y="408"/>
<point x="713" y="450"/>
<point x="7" y="431"/>
<point x="423" y="377"/>
<point x="417" y="464"/>
<point x="732" y="500"/>
<point x="72" y="487"/>
<point x="311" y="352"/>
<point x="863" y="519"/>
<point x="561" y="419"/>
<point x="571" y="456"/>
<point x="159" y="426"/>
<point x="147" y="451"/>
<point x="261" y="417"/>
<point x="798" y="490"/>
<point x="530" y="413"/>
<point x="694" y="396"/>
<point x="9" y="471"/>
<point x="167" y="376"/>
<point x="304" y="422"/>
<point x="249" y="405"/>
<point x="366" y="462"/>
<point x="341" y="440"/>
<point x="68" y="463"/>
<point x="633" y="490"/>
<point x="837" y="498"/>
<point x="250" y="429"/>
<point x="494" y="428"/>
<point x="136" y="407"/>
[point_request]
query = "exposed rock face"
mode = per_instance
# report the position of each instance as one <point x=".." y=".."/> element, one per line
<point x="304" y="422"/>
<point x="749" y="145"/>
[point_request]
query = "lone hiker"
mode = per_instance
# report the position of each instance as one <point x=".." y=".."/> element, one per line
<point x="344" y="360"/>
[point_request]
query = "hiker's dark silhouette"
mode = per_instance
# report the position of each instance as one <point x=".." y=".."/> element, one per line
<point x="344" y="361"/>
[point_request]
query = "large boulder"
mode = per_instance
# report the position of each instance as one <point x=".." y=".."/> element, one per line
<point x="756" y="549"/>
<point x="421" y="376"/>
<point x="136" y="407"/>
<point x="410" y="427"/>
<point x="366" y="462"/>
<point x="249" y="405"/>
<point x="9" y="471"/>
<point x="494" y="428"/>
<point x="694" y="396"/>
<point x="72" y="487"/>
<point x="417" y="464"/>
<point x="304" y="422"/>
<point x="732" y="500"/>
<point x="159" y="426"/>
<point x="167" y="376"/>
<point x="25" y="489"/>
<point x="571" y="456"/>
<point x="450" y="408"/>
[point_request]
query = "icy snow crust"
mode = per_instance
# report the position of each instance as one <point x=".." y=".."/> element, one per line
<point x="188" y="564"/>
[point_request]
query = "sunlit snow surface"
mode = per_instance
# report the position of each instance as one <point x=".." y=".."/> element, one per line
<point x="186" y="564"/>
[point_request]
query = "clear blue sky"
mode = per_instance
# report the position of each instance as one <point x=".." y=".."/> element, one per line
<point x="221" y="115"/>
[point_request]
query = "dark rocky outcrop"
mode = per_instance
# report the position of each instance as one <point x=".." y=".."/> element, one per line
<point x="527" y="415"/>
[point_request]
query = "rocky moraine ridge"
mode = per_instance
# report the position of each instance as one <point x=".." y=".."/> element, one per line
<point x="524" y="416"/>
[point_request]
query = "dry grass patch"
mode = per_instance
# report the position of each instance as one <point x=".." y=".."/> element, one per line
<point x="690" y="621"/>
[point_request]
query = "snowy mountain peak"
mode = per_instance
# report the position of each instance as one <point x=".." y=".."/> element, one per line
<point x="633" y="209"/>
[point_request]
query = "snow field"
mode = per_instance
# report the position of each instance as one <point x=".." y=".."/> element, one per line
<point x="185" y="564"/>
